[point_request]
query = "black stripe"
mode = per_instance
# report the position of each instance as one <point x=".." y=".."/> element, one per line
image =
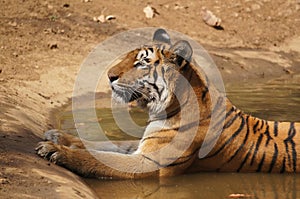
<point x="274" y="158"/>
<point x="255" y="126"/>
<point x="289" y="139"/>
<point x="157" y="163"/>
<point x="155" y="87"/>
<point x="245" y="159"/>
<point x="294" y="153"/>
<point x="178" y="163"/>
<point x="218" y="104"/>
<point x="244" y="142"/>
<point x="256" y="148"/>
<point x="204" y="93"/>
<point x="188" y="156"/>
<point x="155" y="137"/>
<point x="230" y="122"/>
<point x="172" y="164"/>
<point x="267" y="133"/>
<point x="262" y="125"/>
<point x="151" y="49"/>
<point x="275" y="129"/>
<point x="230" y="139"/>
<point x="282" y="170"/>
<point x="217" y="124"/>
<point x="155" y="76"/>
<point x="261" y="163"/>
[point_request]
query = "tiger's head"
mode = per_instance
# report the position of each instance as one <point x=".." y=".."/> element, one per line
<point x="149" y="74"/>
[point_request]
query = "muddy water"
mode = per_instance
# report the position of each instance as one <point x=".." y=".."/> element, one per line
<point x="275" y="100"/>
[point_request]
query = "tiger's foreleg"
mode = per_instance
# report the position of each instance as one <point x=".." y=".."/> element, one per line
<point x="60" y="138"/>
<point x="99" y="164"/>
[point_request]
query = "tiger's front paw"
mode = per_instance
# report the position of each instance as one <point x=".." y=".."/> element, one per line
<point x="51" y="152"/>
<point x="53" y="135"/>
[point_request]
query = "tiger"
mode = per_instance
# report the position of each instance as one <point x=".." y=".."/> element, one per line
<point x="151" y="76"/>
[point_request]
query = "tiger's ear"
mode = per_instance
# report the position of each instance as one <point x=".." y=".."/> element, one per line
<point x="183" y="50"/>
<point x="161" y="36"/>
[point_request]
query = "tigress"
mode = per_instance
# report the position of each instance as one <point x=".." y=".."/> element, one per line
<point x="151" y="76"/>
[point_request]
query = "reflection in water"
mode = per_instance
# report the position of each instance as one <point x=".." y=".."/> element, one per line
<point x="202" y="185"/>
<point x="276" y="100"/>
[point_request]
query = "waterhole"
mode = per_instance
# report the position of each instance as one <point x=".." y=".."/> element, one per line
<point x="278" y="99"/>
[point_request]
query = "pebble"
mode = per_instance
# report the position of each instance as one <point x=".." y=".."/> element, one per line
<point x="209" y="18"/>
<point x="247" y="9"/>
<point x="66" y="5"/>
<point x="13" y="24"/>
<point x="150" y="12"/>
<point x="110" y="17"/>
<point x="102" y="18"/>
<point x="236" y="14"/>
<point x="15" y="54"/>
<point x="52" y="45"/>
<point x="255" y="7"/>
<point x="3" y="181"/>
<point x="85" y="1"/>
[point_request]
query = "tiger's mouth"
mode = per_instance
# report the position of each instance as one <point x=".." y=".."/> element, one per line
<point x="126" y="93"/>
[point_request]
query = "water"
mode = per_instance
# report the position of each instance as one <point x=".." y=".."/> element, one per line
<point x="275" y="100"/>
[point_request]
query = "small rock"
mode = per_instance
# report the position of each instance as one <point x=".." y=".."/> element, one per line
<point x="85" y="1"/>
<point x="288" y="71"/>
<point x="66" y="5"/>
<point x="15" y="54"/>
<point x="255" y="7"/>
<point x="247" y="9"/>
<point x="50" y="7"/>
<point x="3" y="181"/>
<point x="103" y="18"/>
<point x="100" y="18"/>
<point x="13" y="24"/>
<point x="110" y="17"/>
<point x="0" y="70"/>
<point x="48" y="30"/>
<point x="236" y="14"/>
<point x="53" y="45"/>
<point x="150" y="12"/>
<point x="210" y="19"/>
<point x="178" y="6"/>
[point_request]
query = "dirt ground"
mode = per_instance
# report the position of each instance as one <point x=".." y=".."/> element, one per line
<point x="43" y="43"/>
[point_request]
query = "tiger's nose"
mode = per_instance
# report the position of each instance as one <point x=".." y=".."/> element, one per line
<point x="112" y="77"/>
